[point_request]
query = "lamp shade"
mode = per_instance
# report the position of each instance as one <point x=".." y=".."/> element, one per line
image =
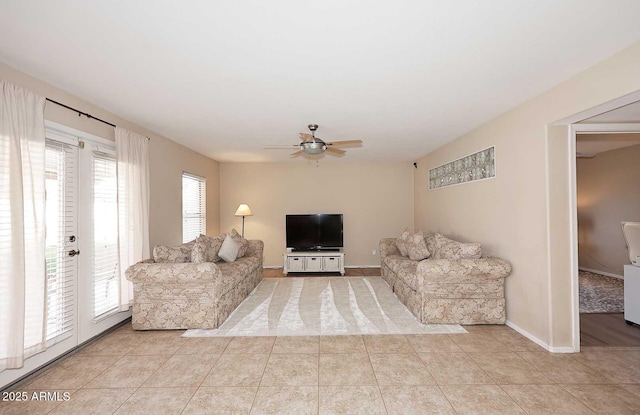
<point x="244" y="210"/>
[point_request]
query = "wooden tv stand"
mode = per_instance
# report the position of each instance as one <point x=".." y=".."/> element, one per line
<point x="313" y="261"/>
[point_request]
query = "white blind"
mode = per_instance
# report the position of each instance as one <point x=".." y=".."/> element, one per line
<point x="61" y="231"/>
<point x="194" y="210"/>
<point x="105" y="234"/>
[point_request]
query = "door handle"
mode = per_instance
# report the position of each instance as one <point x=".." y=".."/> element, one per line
<point x="73" y="252"/>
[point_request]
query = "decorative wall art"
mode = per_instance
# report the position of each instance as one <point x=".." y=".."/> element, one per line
<point x="477" y="166"/>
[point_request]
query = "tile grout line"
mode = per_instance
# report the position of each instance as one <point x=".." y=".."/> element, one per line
<point x="203" y="378"/>
<point x="318" y="411"/>
<point x="255" y="397"/>
<point x="577" y="398"/>
<point x="142" y="383"/>
<point x="433" y="377"/>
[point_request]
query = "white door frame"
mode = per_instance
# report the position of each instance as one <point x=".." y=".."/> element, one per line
<point x="572" y="122"/>
<point x="574" y="130"/>
<point x="88" y="326"/>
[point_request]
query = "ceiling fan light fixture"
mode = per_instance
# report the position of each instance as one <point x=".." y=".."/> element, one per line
<point x="313" y="147"/>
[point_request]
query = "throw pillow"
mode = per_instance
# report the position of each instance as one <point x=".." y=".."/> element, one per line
<point x="244" y="244"/>
<point x="450" y="249"/>
<point x="401" y="243"/>
<point x="206" y="248"/>
<point x="173" y="254"/>
<point x="430" y="240"/>
<point x="229" y="249"/>
<point x="417" y="247"/>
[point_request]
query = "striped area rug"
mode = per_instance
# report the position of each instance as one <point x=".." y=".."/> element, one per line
<point x="314" y="306"/>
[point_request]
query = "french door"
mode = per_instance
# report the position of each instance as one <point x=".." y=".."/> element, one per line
<point x="82" y="238"/>
<point x="61" y="243"/>
<point x="99" y="270"/>
<point x="81" y="245"/>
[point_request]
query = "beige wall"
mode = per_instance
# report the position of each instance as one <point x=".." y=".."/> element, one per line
<point x="608" y="193"/>
<point x="523" y="214"/>
<point x="167" y="159"/>
<point x="376" y="200"/>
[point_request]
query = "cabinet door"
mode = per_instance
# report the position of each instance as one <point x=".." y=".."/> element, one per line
<point x="313" y="263"/>
<point x="331" y="263"/>
<point x="296" y="264"/>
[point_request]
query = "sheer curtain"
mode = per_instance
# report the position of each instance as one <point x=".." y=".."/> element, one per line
<point x="22" y="233"/>
<point x="132" y="153"/>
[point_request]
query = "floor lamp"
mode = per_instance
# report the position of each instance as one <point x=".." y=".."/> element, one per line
<point x="243" y="210"/>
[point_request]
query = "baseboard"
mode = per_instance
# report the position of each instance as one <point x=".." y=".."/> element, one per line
<point x="362" y="266"/>
<point x="562" y="350"/>
<point x="540" y="342"/>
<point x="596" y="271"/>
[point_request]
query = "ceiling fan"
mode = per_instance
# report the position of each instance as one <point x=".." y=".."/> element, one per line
<point x="313" y="145"/>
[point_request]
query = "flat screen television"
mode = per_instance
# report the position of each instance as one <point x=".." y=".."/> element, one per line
<point x="314" y="232"/>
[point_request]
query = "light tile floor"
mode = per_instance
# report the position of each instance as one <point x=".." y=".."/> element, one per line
<point x="490" y="370"/>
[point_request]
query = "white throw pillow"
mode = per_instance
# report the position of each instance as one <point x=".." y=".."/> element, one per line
<point x="229" y="249"/>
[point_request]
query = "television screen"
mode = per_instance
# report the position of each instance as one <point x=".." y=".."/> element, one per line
<point x="314" y="231"/>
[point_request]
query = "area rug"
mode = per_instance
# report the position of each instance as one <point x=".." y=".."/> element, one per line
<point x="316" y="306"/>
<point x="600" y="294"/>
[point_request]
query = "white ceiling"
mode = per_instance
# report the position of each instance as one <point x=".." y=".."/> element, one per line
<point x="598" y="143"/>
<point x="226" y="78"/>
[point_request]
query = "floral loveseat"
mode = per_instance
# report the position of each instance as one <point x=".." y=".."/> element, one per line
<point x="453" y="285"/>
<point x="173" y="292"/>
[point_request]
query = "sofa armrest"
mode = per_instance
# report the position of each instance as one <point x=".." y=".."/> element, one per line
<point x="162" y="272"/>
<point x="256" y="249"/>
<point x="388" y="247"/>
<point x="463" y="270"/>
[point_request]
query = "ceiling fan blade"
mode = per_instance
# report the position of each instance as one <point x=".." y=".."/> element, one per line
<point x="344" y="142"/>
<point x="305" y="137"/>
<point x="335" y="151"/>
<point x="296" y="154"/>
<point x="281" y="147"/>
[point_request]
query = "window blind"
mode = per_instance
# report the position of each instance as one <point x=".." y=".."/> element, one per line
<point x="193" y="207"/>
<point x="105" y="234"/>
<point x="61" y="231"/>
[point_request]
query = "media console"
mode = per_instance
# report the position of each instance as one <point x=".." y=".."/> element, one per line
<point x="313" y="261"/>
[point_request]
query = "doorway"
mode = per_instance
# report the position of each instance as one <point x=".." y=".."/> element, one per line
<point x="607" y="194"/>
<point x="621" y="115"/>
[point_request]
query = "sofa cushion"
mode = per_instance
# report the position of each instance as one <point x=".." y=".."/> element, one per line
<point x="173" y="254"/>
<point x="404" y="268"/>
<point x="206" y="248"/>
<point x="233" y="273"/>
<point x="449" y="249"/>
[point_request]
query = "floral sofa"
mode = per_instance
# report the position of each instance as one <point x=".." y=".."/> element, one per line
<point x="179" y="294"/>
<point x="453" y="285"/>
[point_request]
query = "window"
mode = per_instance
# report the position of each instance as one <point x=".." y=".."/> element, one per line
<point x="105" y="234"/>
<point x="194" y="210"/>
